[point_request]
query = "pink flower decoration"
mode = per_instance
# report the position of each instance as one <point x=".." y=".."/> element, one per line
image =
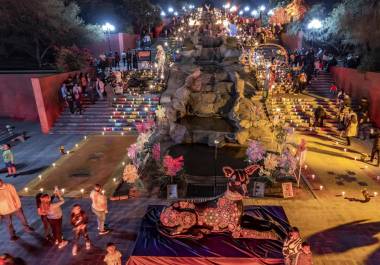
<point x="132" y="152"/>
<point x="255" y="151"/>
<point x="143" y="127"/>
<point x="156" y="152"/>
<point x="173" y="165"/>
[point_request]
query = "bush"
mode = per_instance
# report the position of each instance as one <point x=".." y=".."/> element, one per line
<point x="72" y="59"/>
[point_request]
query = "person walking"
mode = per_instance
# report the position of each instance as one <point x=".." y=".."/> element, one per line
<point x="70" y="101"/>
<point x="99" y="207"/>
<point x="79" y="222"/>
<point x="124" y="58"/>
<point x="319" y="116"/>
<point x="100" y="88"/>
<point x="352" y="128"/>
<point x="129" y="60"/>
<point x="8" y="159"/>
<point x="10" y="205"/>
<point x="43" y="214"/>
<point x="54" y="215"/>
<point x="77" y="91"/>
<point x="117" y="60"/>
<point x="375" y="135"/>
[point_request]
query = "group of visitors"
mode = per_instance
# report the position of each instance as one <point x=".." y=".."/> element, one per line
<point x="295" y="251"/>
<point x="75" y="88"/>
<point x="127" y="59"/>
<point x="49" y="208"/>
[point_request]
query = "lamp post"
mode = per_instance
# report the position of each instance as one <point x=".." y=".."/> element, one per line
<point x="107" y="29"/>
<point x="314" y="25"/>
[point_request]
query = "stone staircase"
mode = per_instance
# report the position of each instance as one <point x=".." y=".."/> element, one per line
<point x="321" y="85"/>
<point x="298" y="109"/>
<point x="102" y="117"/>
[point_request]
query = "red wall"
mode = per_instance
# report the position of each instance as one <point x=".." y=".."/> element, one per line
<point x="359" y="85"/>
<point x="118" y="41"/>
<point x="46" y="91"/>
<point x="16" y="97"/>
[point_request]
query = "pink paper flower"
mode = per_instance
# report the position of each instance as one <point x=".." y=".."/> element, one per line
<point x="156" y="152"/>
<point x="173" y="165"/>
<point x="143" y="127"/>
<point x="255" y="151"/>
<point x="132" y="152"/>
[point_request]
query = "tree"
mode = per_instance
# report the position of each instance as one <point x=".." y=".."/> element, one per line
<point x="141" y="14"/>
<point x="35" y="27"/>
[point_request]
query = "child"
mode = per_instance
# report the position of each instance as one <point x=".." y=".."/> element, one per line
<point x="304" y="257"/>
<point x="9" y="160"/>
<point x="79" y="221"/>
<point x="113" y="256"/>
<point x="42" y="212"/>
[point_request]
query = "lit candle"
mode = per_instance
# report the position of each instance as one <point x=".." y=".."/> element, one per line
<point x="54" y="164"/>
<point x="63" y="191"/>
<point x="82" y="191"/>
<point x="76" y="145"/>
<point x="40" y="176"/>
<point x="375" y="193"/>
<point x="313" y="176"/>
<point x="41" y="189"/>
<point x="26" y="189"/>
<point x="343" y="193"/>
<point x="321" y="187"/>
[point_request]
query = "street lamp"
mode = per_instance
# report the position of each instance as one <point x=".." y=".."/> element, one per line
<point x="107" y="28"/>
<point x="262" y="8"/>
<point x="314" y="24"/>
<point x="233" y="8"/>
<point x="270" y="12"/>
<point x="241" y="12"/>
<point x="227" y="5"/>
<point x="247" y="8"/>
<point x="254" y="13"/>
<point x="176" y="13"/>
<point x="163" y="13"/>
<point x="170" y="10"/>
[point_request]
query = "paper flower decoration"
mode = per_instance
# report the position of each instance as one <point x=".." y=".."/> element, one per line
<point x="271" y="162"/>
<point x="173" y="165"/>
<point x="160" y="112"/>
<point x="288" y="162"/>
<point x="156" y="152"/>
<point x="130" y="174"/>
<point x="255" y="151"/>
<point x="132" y="152"/>
<point x="143" y="127"/>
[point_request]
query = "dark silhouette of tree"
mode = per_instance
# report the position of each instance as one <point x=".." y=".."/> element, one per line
<point x="36" y="27"/>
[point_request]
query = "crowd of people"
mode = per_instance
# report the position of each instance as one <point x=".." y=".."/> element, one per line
<point x="49" y="208"/>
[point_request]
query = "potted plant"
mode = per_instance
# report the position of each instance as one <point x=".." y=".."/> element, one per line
<point x="172" y="166"/>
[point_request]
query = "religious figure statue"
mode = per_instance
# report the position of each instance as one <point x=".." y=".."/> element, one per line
<point x="160" y="60"/>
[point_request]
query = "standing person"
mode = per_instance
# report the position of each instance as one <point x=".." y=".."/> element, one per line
<point x="135" y="61"/>
<point x="352" y="127"/>
<point x="304" y="257"/>
<point x="117" y="60"/>
<point x="83" y="82"/>
<point x="99" y="208"/>
<point x="302" y="82"/>
<point x="375" y="135"/>
<point x="319" y="116"/>
<point x="63" y="92"/>
<point x="8" y="159"/>
<point x="129" y="60"/>
<point x="77" y="98"/>
<point x="10" y="205"/>
<point x="43" y="214"/>
<point x="124" y="57"/>
<point x="100" y="88"/>
<point x="79" y="222"/>
<point x="70" y="101"/>
<point x="54" y="215"/>
<point x="292" y="245"/>
<point x="113" y="256"/>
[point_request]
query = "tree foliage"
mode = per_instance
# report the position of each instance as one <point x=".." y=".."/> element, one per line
<point x="72" y="59"/>
<point x="351" y="26"/>
<point x="36" y="27"/>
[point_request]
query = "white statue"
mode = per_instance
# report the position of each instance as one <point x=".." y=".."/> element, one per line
<point x="160" y="59"/>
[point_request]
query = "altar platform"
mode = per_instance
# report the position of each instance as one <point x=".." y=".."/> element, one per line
<point x="153" y="248"/>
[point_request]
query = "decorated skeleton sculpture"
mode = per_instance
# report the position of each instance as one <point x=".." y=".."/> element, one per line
<point x="221" y="215"/>
<point x="160" y="60"/>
